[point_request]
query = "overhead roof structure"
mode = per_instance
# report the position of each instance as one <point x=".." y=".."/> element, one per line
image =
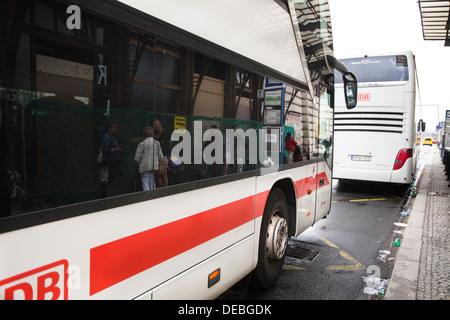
<point x="435" y="20"/>
<point x="315" y="27"/>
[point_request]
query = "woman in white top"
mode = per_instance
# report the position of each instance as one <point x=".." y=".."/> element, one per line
<point x="148" y="157"/>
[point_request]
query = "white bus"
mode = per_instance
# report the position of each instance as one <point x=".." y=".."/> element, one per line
<point x="94" y="76"/>
<point x="376" y="141"/>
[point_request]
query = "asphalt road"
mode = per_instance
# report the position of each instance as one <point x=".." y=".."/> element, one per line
<point x="329" y="260"/>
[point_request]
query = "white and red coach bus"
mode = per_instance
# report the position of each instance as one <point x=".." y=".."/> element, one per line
<point x="380" y="140"/>
<point x="85" y="76"/>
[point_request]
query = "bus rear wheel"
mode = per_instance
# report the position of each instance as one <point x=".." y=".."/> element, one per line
<point x="272" y="242"/>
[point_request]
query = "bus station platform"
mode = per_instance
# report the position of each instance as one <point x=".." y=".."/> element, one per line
<point x="422" y="265"/>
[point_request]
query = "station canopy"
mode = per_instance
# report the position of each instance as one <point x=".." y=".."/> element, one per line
<point x="435" y="20"/>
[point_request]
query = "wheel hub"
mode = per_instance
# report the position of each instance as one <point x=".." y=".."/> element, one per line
<point x="277" y="237"/>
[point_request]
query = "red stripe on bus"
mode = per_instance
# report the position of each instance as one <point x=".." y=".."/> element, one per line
<point x="116" y="261"/>
<point x="302" y="186"/>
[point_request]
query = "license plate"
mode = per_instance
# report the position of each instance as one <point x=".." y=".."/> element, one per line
<point x="361" y="158"/>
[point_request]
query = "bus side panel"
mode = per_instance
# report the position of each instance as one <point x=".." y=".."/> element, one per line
<point x="124" y="252"/>
<point x="323" y="191"/>
<point x="406" y="173"/>
<point x="234" y="264"/>
<point x="308" y="192"/>
<point x="306" y="202"/>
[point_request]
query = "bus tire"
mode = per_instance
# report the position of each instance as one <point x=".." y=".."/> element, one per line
<point x="272" y="241"/>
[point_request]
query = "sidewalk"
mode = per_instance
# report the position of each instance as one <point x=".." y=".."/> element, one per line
<point x="422" y="264"/>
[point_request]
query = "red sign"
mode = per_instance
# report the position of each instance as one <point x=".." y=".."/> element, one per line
<point x="364" y="97"/>
<point x="45" y="283"/>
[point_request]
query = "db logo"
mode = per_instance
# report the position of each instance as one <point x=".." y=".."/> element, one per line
<point x="364" y="97"/>
<point x="44" y="283"/>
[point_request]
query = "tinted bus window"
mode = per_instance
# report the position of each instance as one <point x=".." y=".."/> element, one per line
<point x="377" y="69"/>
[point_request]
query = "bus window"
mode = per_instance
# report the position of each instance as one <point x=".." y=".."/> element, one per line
<point x="85" y="81"/>
<point x="377" y="69"/>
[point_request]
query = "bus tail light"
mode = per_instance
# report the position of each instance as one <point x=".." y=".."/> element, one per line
<point x="402" y="156"/>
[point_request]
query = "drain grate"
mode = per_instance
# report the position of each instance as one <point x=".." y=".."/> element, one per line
<point x="301" y="253"/>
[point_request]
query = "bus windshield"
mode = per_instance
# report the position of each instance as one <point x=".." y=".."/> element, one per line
<point x="377" y="69"/>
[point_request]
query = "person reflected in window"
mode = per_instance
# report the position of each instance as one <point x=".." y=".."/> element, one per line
<point x="148" y="157"/>
<point x="161" y="136"/>
<point x="289" y="145"/>
<point x="111" y="156"/>
<point x="298" y="154"/>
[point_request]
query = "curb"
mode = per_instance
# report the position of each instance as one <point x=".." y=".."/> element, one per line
<point x="403" y="282"/>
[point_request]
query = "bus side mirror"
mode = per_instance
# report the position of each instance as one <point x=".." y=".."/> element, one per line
<point x="350" y="89"/>
<point x="350" y="81"/>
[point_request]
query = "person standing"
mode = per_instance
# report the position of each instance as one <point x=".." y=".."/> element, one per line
<point x="148" y="158"/>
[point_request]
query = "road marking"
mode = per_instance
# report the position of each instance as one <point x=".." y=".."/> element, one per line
<point x="356" y="265"/>
<point x="361" y="200"/>
<point x="289" y="267"/>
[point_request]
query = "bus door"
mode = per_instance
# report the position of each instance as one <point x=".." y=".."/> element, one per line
<point x="324" y="138"/>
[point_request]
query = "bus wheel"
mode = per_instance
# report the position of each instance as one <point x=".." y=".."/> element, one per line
<point x="272" y="241"/>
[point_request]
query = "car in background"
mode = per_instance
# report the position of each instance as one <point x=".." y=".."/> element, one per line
<point x="427" y="141"/>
